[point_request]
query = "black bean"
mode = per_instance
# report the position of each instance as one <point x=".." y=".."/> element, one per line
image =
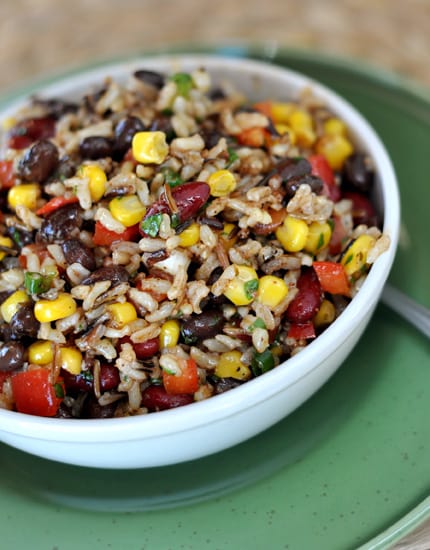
<point x="38" y="162"/>
<point x="4" y="295"/>
<point x="12" y="356"/>
<point x="290" y="167"/>
<point x="64" y="411"/>
<point x="150" y="77"/>
<point x="77" y="252"/>
<point x="124" y="132"/>
<point x="55" y="108"/>
<point x="95" y="147"/>
<point x="92" y="409"/>
<point x="64" y="223"/>
<point x="20" y="237"/>
<point x="24" y="323"/>
<point x="216" y="94"/>
<point x="212" y="222"/>
<point x="163" y="124"/>
<point x="66" y="168"/>
<point x="114" y="273"/>
<point x="357" y="175"/>
<point x="199" y="327"/>
<point x="225" y="384"/>
<point x="292" y="184"/>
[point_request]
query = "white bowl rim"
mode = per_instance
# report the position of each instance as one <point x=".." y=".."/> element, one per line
<point x="289" y="373"/>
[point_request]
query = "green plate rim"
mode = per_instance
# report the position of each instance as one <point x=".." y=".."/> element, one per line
<point x="270" y="51"/>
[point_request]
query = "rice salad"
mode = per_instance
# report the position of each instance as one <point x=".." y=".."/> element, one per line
<point x="165" y="240"/>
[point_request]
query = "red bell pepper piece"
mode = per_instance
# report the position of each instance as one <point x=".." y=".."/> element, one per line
<point x="301" y="331"/>
<point x="55" y="204"/>
<point x="186" y="382"/>
<point x="105" y="237"/>
<point x="7" y="176"/>
<point x="332" y="278"/>
<point x="322" y="169"/>
<point x="264" y="107"/>
<point x="34" y="393"/>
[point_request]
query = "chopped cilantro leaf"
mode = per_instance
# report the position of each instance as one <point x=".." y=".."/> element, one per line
<point x="184" y="83"/>
<point x="251" y="288"/>
<point x="151" y="225"/>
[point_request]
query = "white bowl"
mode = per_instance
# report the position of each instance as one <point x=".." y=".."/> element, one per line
<point x="224" y="420"/>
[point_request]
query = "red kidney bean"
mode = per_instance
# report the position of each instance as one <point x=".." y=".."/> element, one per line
<point x="362" y="209"/>
<point x="143" y="350"/>
<point x="155" y="398"/>
<point x="39" y="162"/>
<point x="78" y="382"/>
<point x="307" y="301"/>
<point x="30" y="130"/>
<point x="189" y="198"/>
<point x="109" y="377"/>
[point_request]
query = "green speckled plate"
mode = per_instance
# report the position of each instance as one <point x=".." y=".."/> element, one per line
<point x="334" y="475"/>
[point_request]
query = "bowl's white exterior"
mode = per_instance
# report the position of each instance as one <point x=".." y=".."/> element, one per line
<point x="225" y="420"/>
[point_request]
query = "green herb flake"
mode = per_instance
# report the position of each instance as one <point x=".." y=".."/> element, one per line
<point x="59" y="391"/>
<point x="16" y="237"/>
<point x="173" y="179"/>
<point x="175" y="221"/>
<point x="348" y="259"/>
<point x="251" y="288"/>
<point x="262" y="362"/>
<point x="320" y="241"/>
<point x="87" y="375"/>
<point x="151" y="225"/>
<point x="331" y="224"/>
<point x="36" y="283"/>
<point x="258" y="323"/>
<point x="184" y="83"/>
<point x="232" y="157"/>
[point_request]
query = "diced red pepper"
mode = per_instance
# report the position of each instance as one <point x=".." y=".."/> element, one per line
<point x="332" y="277"/>
<point x="301" y="331"/>
<point x="186" y="382"/>
<point x="254" y="137"/>
<point x="105" y="237"/>
<point x="34" y="393"/>
<point x="322" y="169"/>
<point x="54" y="204"/>
<point x="264" y="107"/>
<point x="39" y="249"/>
<point x="7" y="175"/>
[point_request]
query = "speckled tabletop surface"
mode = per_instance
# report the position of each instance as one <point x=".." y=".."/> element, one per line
<point x="39" y="38"/>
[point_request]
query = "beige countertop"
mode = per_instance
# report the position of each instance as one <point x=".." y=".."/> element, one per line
<point x="39" y="38"/>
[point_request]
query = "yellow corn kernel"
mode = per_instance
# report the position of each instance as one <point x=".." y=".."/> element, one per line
<point x="325" y="315"/>
<point x="292" y="234"/>
<point x="169" y="334"/>
<point x="25" y="194"/>
<point x="271" y="290"/>
<point x="190" y="235"/>
<point x="281" y="112"/>
<point x="336" y="149"/>
<point x="47" y="311"/>
<point x="8" y="123"/>
<point x="335" y="126"/>
<point x="96" y="180"/>
<point x="221" y="183"/>
<point x="127" y="209"/>
<point x="228" y="237"/>
<point x="230" y="366"/>
<point x="11" y="305"/>
<point x="355" y="257"/>
<point x="71" y="360"/>
<point x="318" y="237"/>
<point x="283" y="129"/>
<point x="149" y="147"/>
<point x="302" y="125"/>
<point x="122" y="314"/>
<point x="5" y="241"/>
<point x="41" y="352"/>
<point x="243" y="288"/>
